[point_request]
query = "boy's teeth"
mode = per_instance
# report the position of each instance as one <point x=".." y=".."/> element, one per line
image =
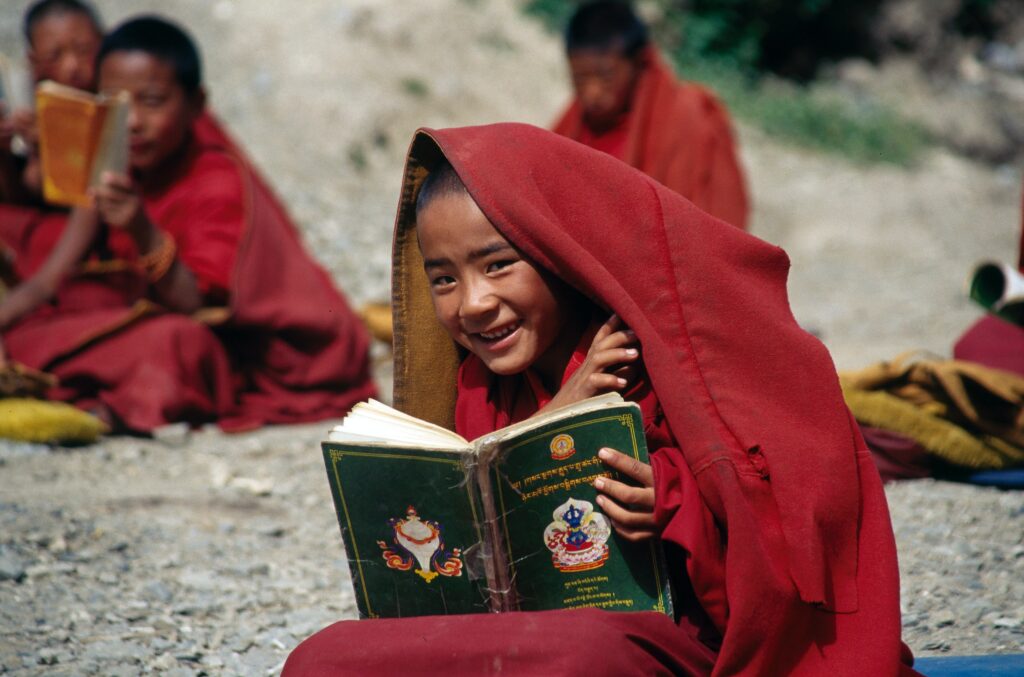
<point x="497" y="334"/>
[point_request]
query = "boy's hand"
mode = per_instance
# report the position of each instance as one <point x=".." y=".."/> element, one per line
<point x="118" y="201"/>
<point x="610" y="365"/>
<point x="631" y="509"/>
<point x="24" y="124"/>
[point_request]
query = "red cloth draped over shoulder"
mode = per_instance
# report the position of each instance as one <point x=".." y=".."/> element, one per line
<point x="802" y="578"/>
<point x="290" y="349"/>
<point x="679" y="134"/>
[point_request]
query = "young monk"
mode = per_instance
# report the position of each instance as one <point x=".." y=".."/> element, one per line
<point x="63" y="37"/>
<point x="197" y="301"/>
<point x="993" y="341"/>
<point x="520" y="282"/>
<point x="630" y="105"/>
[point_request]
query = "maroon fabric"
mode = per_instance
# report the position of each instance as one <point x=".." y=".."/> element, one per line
<point x="993" y="342"/>
<point x="799" y="571"/>
<point x="294" y="349"/>
<point x="579" y="642"/>
<point x="896" y="456"/>
<point x="679" y="134"/>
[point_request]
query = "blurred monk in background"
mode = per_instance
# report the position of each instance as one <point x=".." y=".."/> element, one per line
<point x="630" y="105"/>
<point x="62" y="38"/>
<point x="183" y="293"/>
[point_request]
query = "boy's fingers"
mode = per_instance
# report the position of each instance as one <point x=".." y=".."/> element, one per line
<point x="626" y="518"/>
<point x="633" y="535"/>
<point x="628" y="466"/>
<point x="602" y="382"/>
<point x="607" y="329"/>
<point x="626" y="494"/>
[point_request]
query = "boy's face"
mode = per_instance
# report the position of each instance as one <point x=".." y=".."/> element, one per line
<point x="493" y="301"/>
<point x="63" y="49"/>
<point x="161" y="114"/>
<point x="603" y="81"/>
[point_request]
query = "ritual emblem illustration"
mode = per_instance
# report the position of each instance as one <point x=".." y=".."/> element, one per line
<point x="418" y="541"/>
<point x="562" y="447"/>
<point x="578" y="538"/>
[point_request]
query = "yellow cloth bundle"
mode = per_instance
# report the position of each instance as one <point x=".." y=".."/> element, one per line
<point x="29" y="420"/>
<point x="963" y="412"/>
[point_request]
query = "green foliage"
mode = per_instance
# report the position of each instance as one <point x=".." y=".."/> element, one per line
<point x="818" y="117"/>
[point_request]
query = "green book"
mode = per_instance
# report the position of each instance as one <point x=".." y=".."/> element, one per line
<point x="435" y="524"/>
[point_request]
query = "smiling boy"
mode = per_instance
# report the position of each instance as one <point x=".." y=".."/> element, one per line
<point x="629" y="104"/>
<point x="516" y="286"/>
<point x="192" y="227"/>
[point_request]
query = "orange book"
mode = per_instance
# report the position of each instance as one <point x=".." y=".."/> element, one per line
<point x="81" y="135"/>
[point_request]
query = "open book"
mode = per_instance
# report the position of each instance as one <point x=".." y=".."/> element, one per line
<point x="81" y="135"/>
<point x="999" y="288"/>
<point x="435" y="524"/>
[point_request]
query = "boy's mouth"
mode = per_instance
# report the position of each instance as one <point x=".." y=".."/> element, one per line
<point x="495" y="336"/>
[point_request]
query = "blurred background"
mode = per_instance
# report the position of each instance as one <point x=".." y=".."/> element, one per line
<point x="882" y="139"/>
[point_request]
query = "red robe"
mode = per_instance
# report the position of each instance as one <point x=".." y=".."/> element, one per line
<point x="290" y="350"/>
<point x="679" y="134"/>
<point x="765" y="484"/>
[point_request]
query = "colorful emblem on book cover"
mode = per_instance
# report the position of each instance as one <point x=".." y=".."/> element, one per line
<point x="417" y="541"/>
<point x="578" y="538"/>
<point x="562" y="447"/>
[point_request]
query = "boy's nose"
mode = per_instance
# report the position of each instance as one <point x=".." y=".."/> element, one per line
<point x="478" y="300"/>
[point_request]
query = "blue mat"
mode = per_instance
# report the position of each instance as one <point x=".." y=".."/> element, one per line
<point x="969" y="666"/>
<point x="1004" y="479"/>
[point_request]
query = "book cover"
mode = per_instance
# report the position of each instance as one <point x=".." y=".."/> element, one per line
<point x="81" y="135"/>
<point x="509" y="521"/>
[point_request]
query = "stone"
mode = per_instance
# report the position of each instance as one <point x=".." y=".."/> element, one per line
<point x="12" y="567"/>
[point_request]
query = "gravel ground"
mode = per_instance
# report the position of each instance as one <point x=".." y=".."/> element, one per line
<point x="200" y="553"/>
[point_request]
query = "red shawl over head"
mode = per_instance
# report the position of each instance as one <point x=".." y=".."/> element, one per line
<point x="680" y="135"/>
<point x="753" y="400"/>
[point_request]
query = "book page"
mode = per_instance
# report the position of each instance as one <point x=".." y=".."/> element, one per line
<point x="562" y="551"/>
<point x="112" y="148"/>
<point x="375" y="421"/>
<point x="409" y="521"/>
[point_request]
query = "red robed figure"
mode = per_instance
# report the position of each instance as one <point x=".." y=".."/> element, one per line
<point x="284" y="348"/>
<point x="787" y="559"/>
<point x="679" y="134"/>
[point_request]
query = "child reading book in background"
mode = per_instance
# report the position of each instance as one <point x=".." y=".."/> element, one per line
<point x="520" y="282"/>
<point x="63" y="37"/>
<point x="196" y="301"/>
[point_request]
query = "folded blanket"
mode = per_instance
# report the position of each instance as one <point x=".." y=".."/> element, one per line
<point x="967" y="414"/>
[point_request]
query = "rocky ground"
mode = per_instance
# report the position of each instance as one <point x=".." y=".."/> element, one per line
<point x="200" y="553"/>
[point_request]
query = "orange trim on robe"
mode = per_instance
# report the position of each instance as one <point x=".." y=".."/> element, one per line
<point x="680" y="135"/>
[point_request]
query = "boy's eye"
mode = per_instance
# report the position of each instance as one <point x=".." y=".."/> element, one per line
<point x="442" y="281"/>
<point x="496" y="266"/>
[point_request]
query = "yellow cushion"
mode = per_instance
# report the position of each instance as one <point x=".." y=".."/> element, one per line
<point x="30" y="420"/>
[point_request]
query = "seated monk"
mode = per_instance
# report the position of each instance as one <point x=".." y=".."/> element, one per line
<point x="196" y="301"/>
<point x="630" y="105"/>
<point x="993" y="341"/>
<point x="521" y="283"/>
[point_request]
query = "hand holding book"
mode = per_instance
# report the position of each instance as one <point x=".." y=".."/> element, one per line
<point x="630" y="508"/>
